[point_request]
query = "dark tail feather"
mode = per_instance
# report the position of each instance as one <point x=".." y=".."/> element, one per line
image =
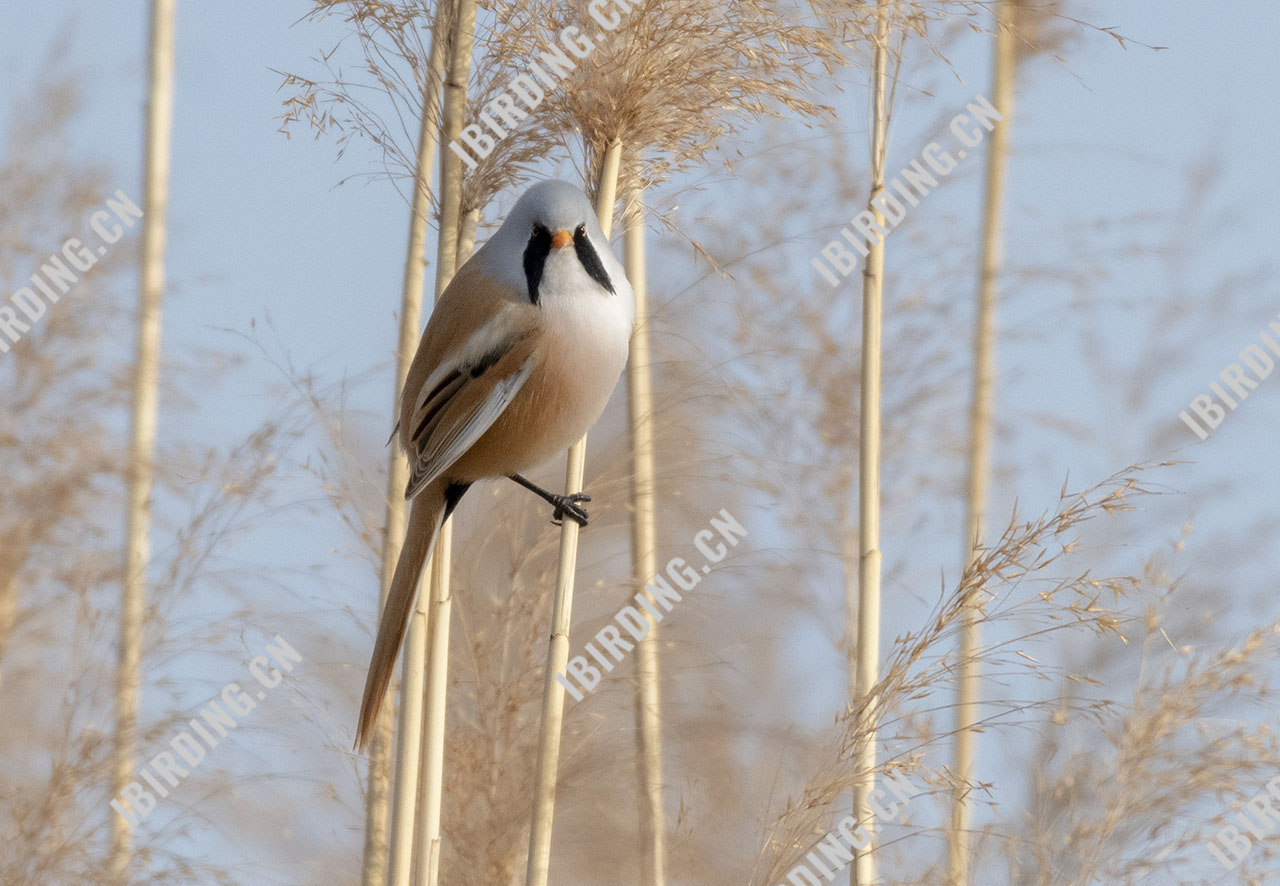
<point x="425" y="517"/>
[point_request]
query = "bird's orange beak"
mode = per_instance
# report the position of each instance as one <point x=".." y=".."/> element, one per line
<point x="562" y="239"/>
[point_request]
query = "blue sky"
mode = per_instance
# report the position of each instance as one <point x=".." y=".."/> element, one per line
<point x="259" y="228"/>
<point x="258" y="223"/>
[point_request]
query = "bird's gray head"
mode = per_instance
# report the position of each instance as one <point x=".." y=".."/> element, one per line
<point x="554" y="221"/>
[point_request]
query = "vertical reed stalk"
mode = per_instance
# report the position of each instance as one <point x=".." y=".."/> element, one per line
<point x="441" y="609"/>
<point x="434" y="733"/>
<point x="644" y="557"/>
<point x="849" y="559"/>
<point x="467" y="236"/>
<point x="143" y="431"/>
<point x="462" y="42"/>
<point x="8" y="612"/>
<point x="441" y="601"/>
<point x="862" y="872"/>
<point x="410" y="724"/>
<point x="408" y="748"/>
<point x="544" y="803"/>
<point x="981" y="412"/>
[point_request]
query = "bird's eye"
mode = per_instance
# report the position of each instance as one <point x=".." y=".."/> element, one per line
<point x="537" y="229"/>
<point x="581" y="231"/>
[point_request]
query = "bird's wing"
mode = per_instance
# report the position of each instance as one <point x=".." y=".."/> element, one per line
<point x="455" y="393"/>
<point x="460" y="409"/>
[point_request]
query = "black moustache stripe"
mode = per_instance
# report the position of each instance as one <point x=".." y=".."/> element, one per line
<point x="535" y="259"/>
<point x="590" y="259"/>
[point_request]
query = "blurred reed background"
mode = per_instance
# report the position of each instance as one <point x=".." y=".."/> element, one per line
<point x="984" y="554"/>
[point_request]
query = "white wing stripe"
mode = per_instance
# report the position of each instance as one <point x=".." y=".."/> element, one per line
<point x="447" y="448"/>
<point x="497" y="330"/>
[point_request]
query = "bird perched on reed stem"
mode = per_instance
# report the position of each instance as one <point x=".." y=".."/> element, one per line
<point x="519" y="357"/>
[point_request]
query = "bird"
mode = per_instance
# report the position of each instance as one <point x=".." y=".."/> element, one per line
<point x="517" y="361"/>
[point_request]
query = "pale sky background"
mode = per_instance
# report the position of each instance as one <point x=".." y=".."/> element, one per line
<point x="258" y="227"/>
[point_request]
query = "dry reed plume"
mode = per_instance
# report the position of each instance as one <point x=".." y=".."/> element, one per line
<point x="1115" y="700"/>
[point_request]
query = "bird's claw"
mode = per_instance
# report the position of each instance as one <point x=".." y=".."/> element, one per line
<point x="567" y="505"/>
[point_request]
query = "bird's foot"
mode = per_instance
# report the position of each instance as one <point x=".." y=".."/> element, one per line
<point x="567" y="506"/>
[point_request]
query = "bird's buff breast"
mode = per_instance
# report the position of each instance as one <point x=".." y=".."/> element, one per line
<point x="579" y="359"/>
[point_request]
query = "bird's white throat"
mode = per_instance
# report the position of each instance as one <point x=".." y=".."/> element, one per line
<point x="575" y="304"/>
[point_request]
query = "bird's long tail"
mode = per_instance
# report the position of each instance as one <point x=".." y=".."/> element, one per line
<point x="425" y="517"/>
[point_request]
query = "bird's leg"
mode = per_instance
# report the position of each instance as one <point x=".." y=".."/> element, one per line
<point x="564" y="504"/>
